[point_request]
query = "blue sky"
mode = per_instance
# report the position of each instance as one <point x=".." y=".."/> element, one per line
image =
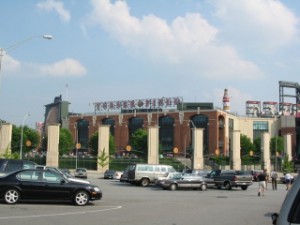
<point x="118" y="50"/>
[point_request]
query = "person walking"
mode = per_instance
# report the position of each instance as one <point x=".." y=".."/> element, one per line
<point x="262" y="178"/>
<point x="274" y="176"/>
<point x="288" y="180"/>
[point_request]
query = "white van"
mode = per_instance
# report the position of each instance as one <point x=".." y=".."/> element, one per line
<point x="144" y="174"/>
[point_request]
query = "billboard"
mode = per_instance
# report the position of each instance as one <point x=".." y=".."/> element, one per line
<point x="253" y="108"/>
<point x="270" y="109"/>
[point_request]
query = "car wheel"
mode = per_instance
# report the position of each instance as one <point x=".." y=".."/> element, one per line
<point x="244" y="187"/>
<point x="227" y="186"/>
<point x="173" y="187"/>
<point x="203" y="187"/>
<point x="81" y="198"/>
<point x="11" y="196"/>
<point x="144" y="182"/>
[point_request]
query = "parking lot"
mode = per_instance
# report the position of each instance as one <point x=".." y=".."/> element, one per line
<point x="124" y="203"/>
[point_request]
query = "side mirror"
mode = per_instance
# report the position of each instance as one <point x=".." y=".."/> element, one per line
<point x="62" y="181"/>
<point x="274" y="217"/>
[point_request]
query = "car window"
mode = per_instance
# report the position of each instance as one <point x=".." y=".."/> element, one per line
<point x="30" y="176"/>
<point x="294" y="215"/>
<point x="51" y="177"/>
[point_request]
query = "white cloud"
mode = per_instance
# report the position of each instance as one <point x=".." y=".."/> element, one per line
<point x="66" y="67"/>
<point x="57" y="6"/>
<point x="264" y="24"/>
<point x="189" y="42"/>
<point x="9" y="64"/>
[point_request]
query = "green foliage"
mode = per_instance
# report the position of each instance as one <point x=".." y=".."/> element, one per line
<point x="112" y="145"/>
<point x="139" y="141"/>
<point x="103" y="159"/>
<point x="257" y="146"/>
<point x="9" y="155"/>
<point x="277" y="145"/>
<point x="287" y="166"/>
<point x="93" y="143"/>
<point x="246" y="145"/>
<point x="66" y="143"/>
<point x="28" y="135"/>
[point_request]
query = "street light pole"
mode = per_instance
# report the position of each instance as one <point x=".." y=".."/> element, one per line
<point x="21" y="139"/>
<point x="4" y="51"/>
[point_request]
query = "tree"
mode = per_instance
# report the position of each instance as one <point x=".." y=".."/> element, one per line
<point x="139" y="141"/>
<point x="103" y="159"/>
<point x="287" y="166"/>
<point x="257" y="146"/>
<point x="66" y="143"/>
<point x="30" y="136"/>
<point x="276" y="145"/>
<point x="246" y="145"/>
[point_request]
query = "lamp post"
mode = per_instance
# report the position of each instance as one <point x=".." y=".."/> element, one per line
<point x="21" y="139"/>
<point x="4" y="51"/>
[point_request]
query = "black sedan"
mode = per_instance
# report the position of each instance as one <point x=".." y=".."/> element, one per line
<point x="185" y="182"/>
<point x="35" y="184"/>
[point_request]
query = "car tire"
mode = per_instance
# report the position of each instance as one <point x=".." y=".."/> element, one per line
<point x="81" y="198"/>
<point x="11" y="196"/>
<point x="203" y="187"/>
<point x="173" y="187"/>
<point x="144" y="182"/>
<point x="244" y="187"/>
<point x="227" y="186"/>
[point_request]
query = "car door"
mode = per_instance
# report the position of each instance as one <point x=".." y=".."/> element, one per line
<point x="56" y="187"/>
<point x="31" y="184"/>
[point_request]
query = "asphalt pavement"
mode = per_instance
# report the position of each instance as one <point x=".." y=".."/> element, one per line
<point x="124" y="204"/>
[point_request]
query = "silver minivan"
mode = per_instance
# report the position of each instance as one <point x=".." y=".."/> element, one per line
<point x="290" y="210"/>
<point x="144" y="174"/>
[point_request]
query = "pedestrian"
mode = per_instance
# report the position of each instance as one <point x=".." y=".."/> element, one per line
<point x="274" y="176"/>
<point x="262" y="178"/>
<point x="288" y="180"/>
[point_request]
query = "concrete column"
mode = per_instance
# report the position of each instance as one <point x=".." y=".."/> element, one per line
<point x="103" y="145"/>
<point x="287" y="140"/>
<point x="265" y="151"/>
<point x="236" y="150"/>
<point x="198" y="162"/>
<point x="153" y="145"/>
<point x="5" y="138"/>
<point x="52" y="145"/>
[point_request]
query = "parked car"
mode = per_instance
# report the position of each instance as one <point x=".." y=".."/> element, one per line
<point x="11" y="165"/>
<point x="230" y="178"/>
<point x="48" y="185"/>
<point x="145" y="174"/>
<point x="81" y="173"/>
<point x="124" y="176"/>
<point x="117" y="175"/>
<point x="290" y="209"/>
<point x="167" y="176"/>
<point x="66" y="173"/>
<point x="109" y="174"/>
<point x="184" y="182"/>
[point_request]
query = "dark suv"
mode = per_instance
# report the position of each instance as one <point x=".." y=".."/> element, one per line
<point x="11" y="165"/>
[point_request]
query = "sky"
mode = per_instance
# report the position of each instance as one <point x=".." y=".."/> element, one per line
<point x="109" y="50"/>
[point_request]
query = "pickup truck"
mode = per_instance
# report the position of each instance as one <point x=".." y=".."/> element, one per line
<point x="230" y="178"/>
